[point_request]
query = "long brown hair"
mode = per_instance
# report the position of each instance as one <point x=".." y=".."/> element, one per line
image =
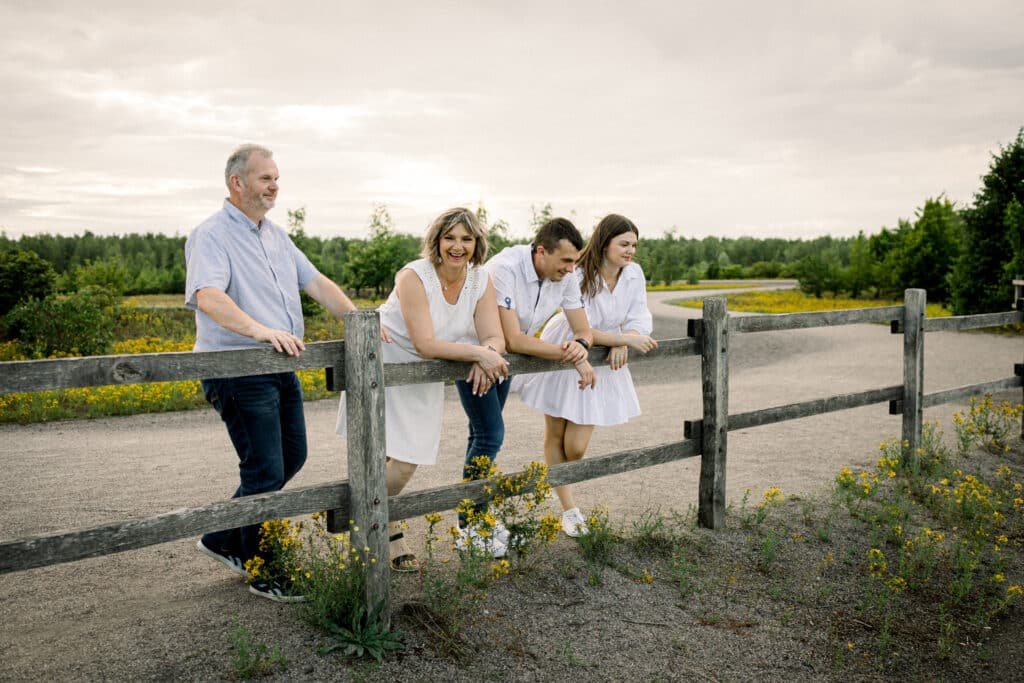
<point x="610" y="227"/>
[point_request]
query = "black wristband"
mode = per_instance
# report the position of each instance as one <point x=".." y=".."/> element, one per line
<point x="584" y="343"/>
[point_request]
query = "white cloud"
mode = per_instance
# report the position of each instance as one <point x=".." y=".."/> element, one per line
<point x="786" y="118"/>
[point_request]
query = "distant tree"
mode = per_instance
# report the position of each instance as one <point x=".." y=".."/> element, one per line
<point x="373" y="263"/>
<point x="980" y="282"/>
<point x="111" y="274"/>
<point x="819" y="273"/>
<point x="860" y="274"/>
<point x="497" y="232"/>
<point x="930" y="248"/>
<point x="539" y="218"/>
<point x="1015" y="235"/>
<point x="23" y="275"/>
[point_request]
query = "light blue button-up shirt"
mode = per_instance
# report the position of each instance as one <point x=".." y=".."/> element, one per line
<point x="257" y="266"/>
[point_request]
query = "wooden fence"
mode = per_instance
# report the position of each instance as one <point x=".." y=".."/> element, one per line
<point x="356" y="367"/>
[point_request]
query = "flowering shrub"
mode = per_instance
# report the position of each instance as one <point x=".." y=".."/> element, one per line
<point x="986" y="423"/>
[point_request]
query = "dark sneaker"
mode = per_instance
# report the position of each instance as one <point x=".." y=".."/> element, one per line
<point x="233" y="562"/>
<point x="276" y="590"/>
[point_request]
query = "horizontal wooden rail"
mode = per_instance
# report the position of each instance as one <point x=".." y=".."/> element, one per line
<point x="793" y="411"/>
<point x="68" y="546"/>
<point x="437" y="370"/>
<point x="937" y="398"/>
<point x="965" y="322"/>
<point x="447" y="497"/>
<point x="793" y="321"/>
<point x="93" y="371"/>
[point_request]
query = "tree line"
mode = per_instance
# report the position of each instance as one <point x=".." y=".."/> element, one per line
<point x="964" y="256"/>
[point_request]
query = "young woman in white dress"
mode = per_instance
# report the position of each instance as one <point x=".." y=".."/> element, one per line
<point x="442" y="306"/>
<point x="615" y="298"/>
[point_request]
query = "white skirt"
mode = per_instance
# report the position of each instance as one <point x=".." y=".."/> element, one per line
<point x="558" y="394"/>
<point x="412" y="415"/>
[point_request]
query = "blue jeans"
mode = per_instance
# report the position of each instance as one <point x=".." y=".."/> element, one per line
<point x="486" y="425"/>
<point x="264" y="417"/>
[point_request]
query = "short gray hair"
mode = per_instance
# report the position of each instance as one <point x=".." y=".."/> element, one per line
<point x="238" y="162"/>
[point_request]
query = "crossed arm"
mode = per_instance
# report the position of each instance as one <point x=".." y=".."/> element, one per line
<point x="489" y="365"/>
<point x="567" y="352"/>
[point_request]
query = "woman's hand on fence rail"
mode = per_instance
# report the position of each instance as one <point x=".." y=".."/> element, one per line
<point x="641" y="342"/>
<point x="618" y="356"/>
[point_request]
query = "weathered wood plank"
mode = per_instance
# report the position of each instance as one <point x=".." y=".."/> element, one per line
<point x="795" y="411"/>
<point x="439" y="370"/>
<point x="78" y="544"/>
<point x="447" y="497"/>
<point x="914" y="303"/>
<point x="368" y="496"/>
<point x="792" y="321"/>
<point x="715" y="385"/>
<point x="68" y="546"/>
<point x="967" y="322"/>
<point x="937" y="398"/>
<point x="69" y="373"/>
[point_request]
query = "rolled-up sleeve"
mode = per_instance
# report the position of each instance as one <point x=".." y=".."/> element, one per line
<point x="638" y="315"/>
<point x="504" y="287"/>
<point x="207" y="265"/>
<point x="572" y="297"/>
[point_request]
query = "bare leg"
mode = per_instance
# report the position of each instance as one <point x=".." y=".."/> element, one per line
<point x="397" y="475"/>
<point x="554" y="452"/>
<point x="575" y="440"/>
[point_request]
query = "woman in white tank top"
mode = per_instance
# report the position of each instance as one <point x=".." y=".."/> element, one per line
<point x="443" y="306"/>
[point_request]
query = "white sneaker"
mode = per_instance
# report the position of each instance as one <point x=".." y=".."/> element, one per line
<point x="491" y="545"/>
<point x="573" y="523"/>
<point x="501" y="534"/>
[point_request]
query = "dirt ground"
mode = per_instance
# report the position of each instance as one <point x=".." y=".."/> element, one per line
<point x="163" y="612"/>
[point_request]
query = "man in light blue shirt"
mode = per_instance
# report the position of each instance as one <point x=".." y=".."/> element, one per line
<point x="243" y="280"/>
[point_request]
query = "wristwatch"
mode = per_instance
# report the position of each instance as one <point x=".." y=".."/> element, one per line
<point x="584" y="343"/>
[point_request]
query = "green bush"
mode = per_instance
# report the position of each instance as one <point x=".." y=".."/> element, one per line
<point x="111" y="274"/>
<point x="77" y="324"/>
<point x="23" y="275"/>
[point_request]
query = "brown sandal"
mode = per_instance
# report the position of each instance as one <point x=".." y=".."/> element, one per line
<point x="404" y="561"/>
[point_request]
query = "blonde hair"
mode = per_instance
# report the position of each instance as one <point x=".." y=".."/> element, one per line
<point x="446" y="222"/>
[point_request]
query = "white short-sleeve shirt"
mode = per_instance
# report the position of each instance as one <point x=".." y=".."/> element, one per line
<point x="520" y="289"/>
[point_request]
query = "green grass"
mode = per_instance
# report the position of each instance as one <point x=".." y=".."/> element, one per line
<point x="794" y="301"/>
<point x="706" y="284"/>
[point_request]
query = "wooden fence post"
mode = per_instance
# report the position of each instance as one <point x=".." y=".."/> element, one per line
<point x="914" y="301"/>
<point x="1018" y="303"/>
<point x="714" y="371"/>
<point x="368" y="502"/>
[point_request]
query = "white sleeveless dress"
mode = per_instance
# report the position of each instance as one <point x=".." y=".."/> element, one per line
<point x="614" y="399"/>
<point x="413" y="412"/>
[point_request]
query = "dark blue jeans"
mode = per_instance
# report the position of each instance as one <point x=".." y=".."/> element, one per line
<point x="264" y="417"/>
<point x="486" y="424"/>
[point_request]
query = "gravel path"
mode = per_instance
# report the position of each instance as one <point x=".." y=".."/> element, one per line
<point x="161" y="612"/>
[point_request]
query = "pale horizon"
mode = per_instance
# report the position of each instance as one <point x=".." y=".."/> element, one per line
<point x="790" y="120"/>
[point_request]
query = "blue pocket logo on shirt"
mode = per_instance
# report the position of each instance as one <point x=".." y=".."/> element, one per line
<point x="508" y="302"/>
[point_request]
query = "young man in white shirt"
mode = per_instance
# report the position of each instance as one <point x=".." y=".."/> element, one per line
<point x="531" y="285"/>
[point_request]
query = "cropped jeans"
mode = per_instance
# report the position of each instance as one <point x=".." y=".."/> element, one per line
<point x="486" y="424"/>
<point x="267" y="426"/>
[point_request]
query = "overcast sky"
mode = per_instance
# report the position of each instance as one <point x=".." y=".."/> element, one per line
<point x="718" y="118"/>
